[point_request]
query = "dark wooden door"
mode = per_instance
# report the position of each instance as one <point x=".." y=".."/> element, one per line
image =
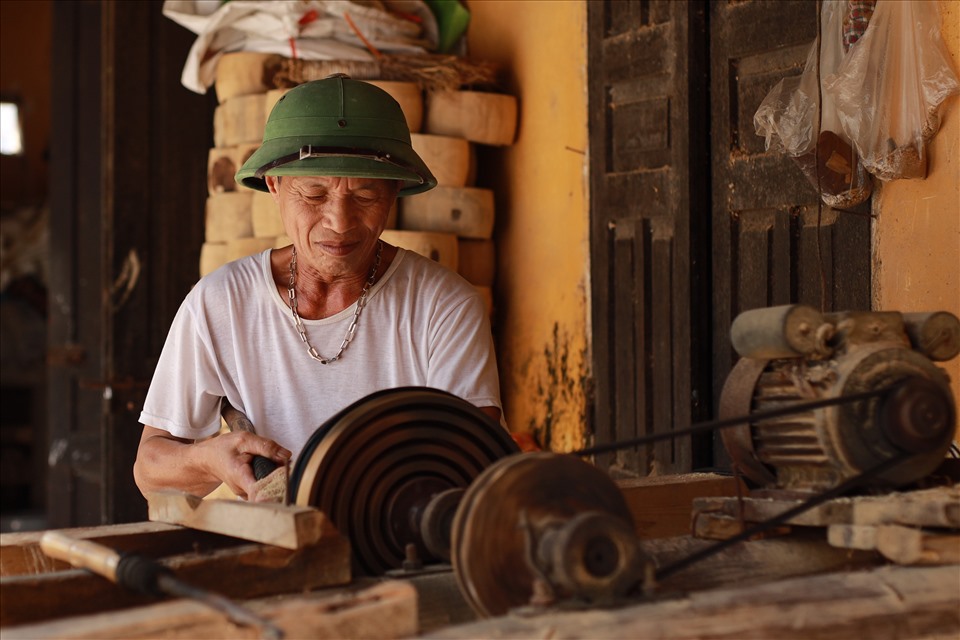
<point x="128" y="186"/>
<point x="649" y="230"/>
<point x="692" y="221"/>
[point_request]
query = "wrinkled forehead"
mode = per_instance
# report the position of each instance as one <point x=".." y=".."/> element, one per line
<point x="339" y="183"/>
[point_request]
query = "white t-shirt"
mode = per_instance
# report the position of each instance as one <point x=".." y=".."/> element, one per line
<point x="234" y="337"/>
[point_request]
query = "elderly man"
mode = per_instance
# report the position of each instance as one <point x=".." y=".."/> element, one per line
<point x="291" y="336"/>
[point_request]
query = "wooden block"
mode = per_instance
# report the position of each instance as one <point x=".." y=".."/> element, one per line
<point x="715" y="526"/>
<point x="265" y="216"/>
<point x="245" y="72"/>
<point x="439" y="247"/>
<point x="484" y="118"/>
<point x="229" y="216"/>
<point x="465" y="211"/>
<point x="223" y="164"/>
<point x="662" y="506"/>
<point x="270" y="100"/>
<point x="410" y="97"/>
<point x="242" y="247"/>
<point x="239" y="120"/>
<point x="244" y="571"/>
<point x="450" y="159"/>
<point x="852" y="536"/>
<point x="477" y="261"/>
<point x="213" y="255"/>
<point x="290" y="527"/>
<point x="910" y="545"/>
<point x="385" y="610"/>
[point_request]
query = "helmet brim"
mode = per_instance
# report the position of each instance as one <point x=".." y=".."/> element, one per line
<point x="412" y="171"/>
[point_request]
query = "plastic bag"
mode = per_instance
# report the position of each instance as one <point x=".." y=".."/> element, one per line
<point x="890" y="86"/>
<point x="788" y="120"/>
<point x="318" y="30"/>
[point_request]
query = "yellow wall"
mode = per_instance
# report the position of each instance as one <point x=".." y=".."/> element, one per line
<point x="917" y="230"/>
<point x="542" y="294"/>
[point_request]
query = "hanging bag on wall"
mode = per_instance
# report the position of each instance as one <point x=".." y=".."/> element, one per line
<point x="797" y="119"/>
<point x="888" y="89"/>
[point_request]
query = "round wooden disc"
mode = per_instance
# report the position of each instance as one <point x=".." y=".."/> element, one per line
<point x="369" y="466"/>
<point x="489" y="546"/>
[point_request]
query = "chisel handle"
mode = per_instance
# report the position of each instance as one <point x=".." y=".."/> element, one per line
<point x="238" y="421"/>
<point x="82" y="554"/>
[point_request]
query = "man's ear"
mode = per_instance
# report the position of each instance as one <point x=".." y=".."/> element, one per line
<point x="273" y="184"/>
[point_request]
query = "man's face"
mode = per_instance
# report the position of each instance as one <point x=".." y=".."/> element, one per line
<point x="334" y="222"/>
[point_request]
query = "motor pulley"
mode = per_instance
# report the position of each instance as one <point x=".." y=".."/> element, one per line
<point x="794" y="354"/>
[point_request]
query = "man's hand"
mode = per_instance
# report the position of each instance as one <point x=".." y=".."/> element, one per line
<point x="167" y="462"/>
<point x="229" y="457"/>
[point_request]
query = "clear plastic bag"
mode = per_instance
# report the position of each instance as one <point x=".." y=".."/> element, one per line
<point x="788" y="120"/>
<point x="889" y="87"/>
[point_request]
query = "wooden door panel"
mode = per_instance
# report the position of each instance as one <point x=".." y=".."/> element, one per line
<point x="128" y="186"/>
<point x="648" y="203"/>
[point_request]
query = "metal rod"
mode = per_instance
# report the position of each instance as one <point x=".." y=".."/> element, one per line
<point x="236" y="613"/>
<point x="730" y="422"/>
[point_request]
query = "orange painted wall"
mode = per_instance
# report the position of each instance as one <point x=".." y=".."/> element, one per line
<point x="542" y="292"/>
<point x="917" y="229"/>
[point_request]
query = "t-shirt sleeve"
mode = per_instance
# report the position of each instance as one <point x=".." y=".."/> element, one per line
<point x="185" y="392"/>
<point x="462" y="358"/>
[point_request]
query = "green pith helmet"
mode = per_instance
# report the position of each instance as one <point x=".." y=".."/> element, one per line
<point x="337" y="127"/>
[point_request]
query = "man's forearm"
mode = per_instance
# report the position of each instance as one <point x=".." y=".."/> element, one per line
<point x="166" y="463"/>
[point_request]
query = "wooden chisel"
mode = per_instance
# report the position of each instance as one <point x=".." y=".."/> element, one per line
<point x="145" y="575"/>
<point x="238" y="421"/>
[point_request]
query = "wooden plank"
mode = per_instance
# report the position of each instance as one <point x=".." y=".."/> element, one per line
<point x="386" y="610"/>
<point x="938" y="507"/>
<point x="890" y="602"/>
<point x="290" y="527"/>
<point x="662" y="506"/>
<point x="245" y="571"/>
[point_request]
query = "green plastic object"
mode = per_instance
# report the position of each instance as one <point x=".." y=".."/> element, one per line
<point x="452" y="22"/>
<point x="337" y="127"/>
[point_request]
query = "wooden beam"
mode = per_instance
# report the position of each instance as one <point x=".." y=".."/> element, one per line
<point x="802" y="553"/>
<point x="889" y="602"/>
<point x="246" y="571"/>
<point x="386" y="610"/>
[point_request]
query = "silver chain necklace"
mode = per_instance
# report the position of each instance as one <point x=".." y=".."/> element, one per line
<point x="361" y="303"/>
